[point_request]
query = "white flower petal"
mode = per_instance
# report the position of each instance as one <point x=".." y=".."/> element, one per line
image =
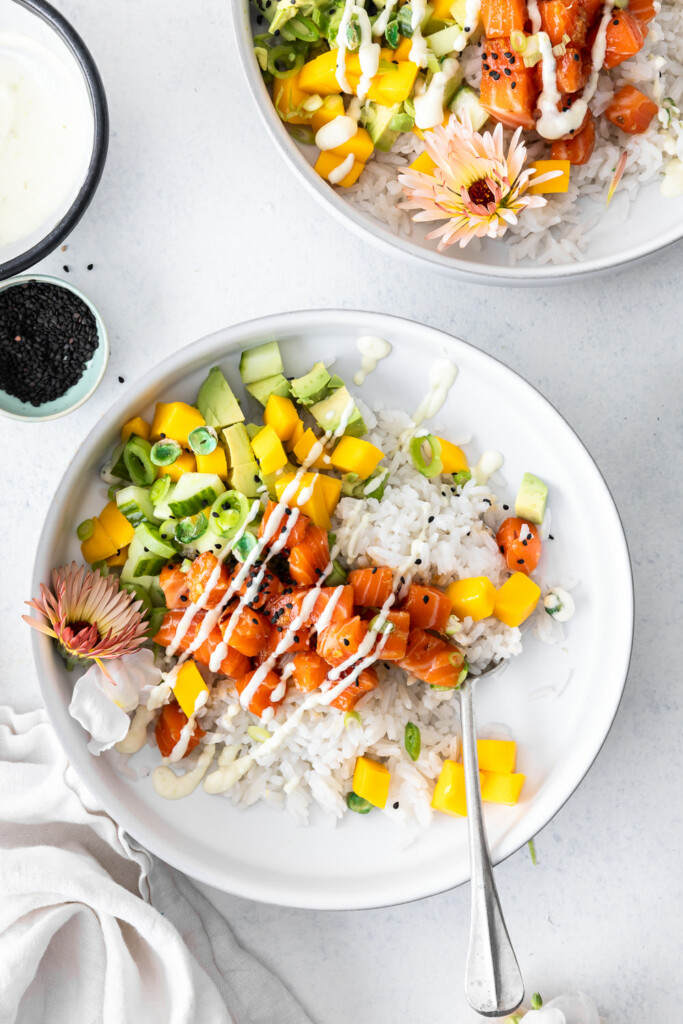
<point x="576" y="1008"/>
<point x="92" y="706"/>
<point x="546" y="1015"/>
<point x="135" y="676"/>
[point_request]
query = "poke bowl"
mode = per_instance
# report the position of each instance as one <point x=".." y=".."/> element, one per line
<point x="267" y="622"/>
<point x="592" y="181"/>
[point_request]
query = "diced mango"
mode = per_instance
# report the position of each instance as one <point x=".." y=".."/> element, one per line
<point x="185" y="463"/>
<point x="371" y="781"/>
<point x="175" y="420"/>
<point x="296" y="436"/>
<point x="516" y="599"/>
<point x="402" y="51"/>
<point x="557" y="184"/>
<point x="452" y="457"/>
<point x="215" y="462"/>
<point x="442" y="10"/>
<point x="302" y="451"/>
<point x="100" y="546"/>
<point x="475" y="597"/>
<point x="331" y="489"/>
<point x="497" y="756"/>
<point x="449" y="792"/>
<point x="115" y="525"/>
<point x="288" y="97"/>
<point x="501" y="787"/>
<point x="328" y="162"/>
<point x="320" y="76"/>
<point x="135" y="426"/>
<point x="280" y="414"/>
<point x="188" y="686"/>
<point x="360" y="146"/>
<point x="118" y="559"/>
<point x="423" y="163"/>
<point x="268" y="449"/>
<point x="353" y="455"/>
<point x="332" y="107"/>
<point x="394" y="86"/>
<point x="315" y="506"/>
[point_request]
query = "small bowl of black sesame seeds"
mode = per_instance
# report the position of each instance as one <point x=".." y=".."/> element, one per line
<point x="54" y="348"/>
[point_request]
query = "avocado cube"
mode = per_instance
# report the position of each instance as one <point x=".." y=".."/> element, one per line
<point x="216" y="402"/>
<point x="531" y="499"/>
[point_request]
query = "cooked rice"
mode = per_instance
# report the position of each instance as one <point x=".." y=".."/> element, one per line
<point x="560" y="231"/>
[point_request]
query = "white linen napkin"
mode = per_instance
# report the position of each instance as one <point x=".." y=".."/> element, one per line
<point x="92" y="927"/>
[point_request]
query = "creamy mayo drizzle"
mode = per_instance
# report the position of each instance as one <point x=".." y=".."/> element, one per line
<point x="489" y="463"/>
<point x="336" y="132"/>
<point x="442" y="376"/>
<point x="181" y="746"/>
<point x="173" y="787"/>
<point x="380" y="26"/>
<point x="554" y="123"/>
<point x="472" y="15"/>
<point x="368" y="53"/>
<point x="672" y="183"/>
<point x="429" y="106"/>
<point x="418" y="50"/>
<point x="372" y="350"/>
<point x="340" y="72"/>
<point x="534" y="15"/>
<point x="136" y="737"/>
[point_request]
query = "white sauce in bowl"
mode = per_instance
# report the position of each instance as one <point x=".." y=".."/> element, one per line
<point x="46" y="135"/>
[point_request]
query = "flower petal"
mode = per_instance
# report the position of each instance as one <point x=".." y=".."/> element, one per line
<point x="92" y="706"/>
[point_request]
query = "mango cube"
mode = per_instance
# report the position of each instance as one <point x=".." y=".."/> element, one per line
<point x="136" y="426"/>
<point x="100" y="546"/>
<point x="175" y="420"/>
<point x="371" y="781"/>
<point x="280" y="414"/>
<point x="268" y="450"/>
<point x="315" y="504"/>
<point x="215" y="462"/>
<point x="302" y="451"/>
<point x="395" y="86"/>
<point x="501" y="787"/>
<point x="188" y="686"/>
<point x="560" y="183"/>
<point x="449" y="793"/>
<point x="331" y="488"/>
<point x="296" y="436"/>
<point x="118" y="559"/>
<point x="516" y="599"/>
<point x="328" y="162"/>
<point x="332" y="107"/>
<point x="288" y="97"/>
<point x="353" y="455"/>
<point x="185" y="463"/>
<point x="452" y="457"/>
<point x="475" y="597"/>
<point x="402" y="51"/>
<point x="115" y="525"/>
<point x="497" y="756"/>
<point x="423" y="163"/>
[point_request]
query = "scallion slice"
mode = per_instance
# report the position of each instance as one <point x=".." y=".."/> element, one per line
<point x="202" y="440"/>
<point x="85" y="530"/>
<point x="228" y="513"/>
<point x="165" y="452"/>
<point x="358" y="803"/>
<point x="338" y="575"/>
<point x="244" y="546"/>
<point x="191" y="528"/>
<point x="435" y="465"/>
<point x="381" y="625"/>
<point x="352" y="716"/>
<point x="111" y="492"/>
<point x="462" y="477"/>
<point x="160" y="489"/>
<point x="258" y="734"/>
<point x="287" y="56"/>
<point x="303" y="28"/>
<point x="167" y="530"/>
<point x="136" y="456"/>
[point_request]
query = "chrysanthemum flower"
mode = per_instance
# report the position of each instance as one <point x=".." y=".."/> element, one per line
<point x="88" y="615"/>
<point x="475" y="187"/>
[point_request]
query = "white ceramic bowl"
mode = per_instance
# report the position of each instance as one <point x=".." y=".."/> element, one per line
<point x="260" y="853"/>
<point x="654" y="222"/>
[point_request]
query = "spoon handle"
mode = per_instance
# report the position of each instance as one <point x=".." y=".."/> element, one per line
<point x="493" y="982"/>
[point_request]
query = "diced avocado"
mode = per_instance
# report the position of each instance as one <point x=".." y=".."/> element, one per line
<point x="466" y="99"/>
<point x="253" y="429"/>
<point x="334" y="384"/>
<point x="246" y="479"/>
<point x="451" y="88"/>
<point x="377" y="119"/>
<point x="216" y="402"/>
<point x="238" y="444"/>
<point x="262" y="389"/>
<point x="459" y="12"/>
<point x="312" y="387"/>
<point x="441" y="43"/>
<point x="328" y="414"/>
<point x="531" y="499"/>
<point x="194" y="492"/>
<point x="262" y="361"/>
<point x="285" y="11"/>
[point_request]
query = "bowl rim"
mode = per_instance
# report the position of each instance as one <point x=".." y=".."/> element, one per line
<point x="102" y="332"/>
<point x="98" y="101"/>
<point x="364" y="225"/>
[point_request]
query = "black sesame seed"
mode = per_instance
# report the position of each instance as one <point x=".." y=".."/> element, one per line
<point x="431" y="519"/>
<point x="183" y="597"/>
<point x="550" y="537"/>
<point x="215" y="515"/>
<point x="121" y="380"/>
<point x="486" y="67"/>
<point x="506" y="71"/>
<point x="520" y="561"/>
<point x="506" y="507"/>
<point x="425" y="599"/>
<point x="255" y="622"/>
<point x="257" y="478"/>
<point x="90" y="266"/>
<point x="525" y="542"/>
<point x="508" y="55"/>
<point x="374" y="570"/>
<point x="403" y="579"/>
<point x="146" y="550"/>
<point x="418" y="561"/>
<point x="346" y="641"/>
<point x="577" y="56"/>
<point x="288" y="511"/>
<point x="494" y="56"/>
<point x="296" y="639"/>
<point x="66" y="269"/>
<point x="502" y="550"/>
<point x="513" y="85"/>
<point x="487" y="501"/>
<point x="217" y="547"/>
<point x="513" y="60"/>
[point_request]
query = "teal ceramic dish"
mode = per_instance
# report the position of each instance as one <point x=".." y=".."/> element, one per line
<point x="83" y="389"/>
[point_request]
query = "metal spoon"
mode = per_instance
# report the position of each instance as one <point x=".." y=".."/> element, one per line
<point x="493" y="981"/>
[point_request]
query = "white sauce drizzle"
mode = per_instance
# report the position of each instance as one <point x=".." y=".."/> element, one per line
<point x="490" y="462"/>
<point x="472" y="16"/>
<point x="337" y="174"/>
<point x="442" y="376"/>
<point x="380" y="26"/>
<point x="342" y="31"/>
<point x="180" y="749"/>
<point x="672" y="183"/>
<point x="372" y="350"/>
<point x="136" y="737"/>
<point x="554" y="123"/>
<point x="336" y="132"/>
<point x="173" y="787"/>
<point x="534" y="15"/>
<point x="418" y="50"/>
<point x="429" y="106"/>
<point x="368" y="53"/>
<point x="325" y="617"/>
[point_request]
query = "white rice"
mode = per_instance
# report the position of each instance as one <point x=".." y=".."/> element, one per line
<point x="560" y="231"/>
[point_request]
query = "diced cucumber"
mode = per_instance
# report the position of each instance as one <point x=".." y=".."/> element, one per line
<point x="262" y="389"/>
<point x="118" y="466"/>
<point x="441" y="43"/>
<point x="162" y="509"/>
<point x="262" y="361"/>
<point x="467" y="99"/>
<point x="193" y="492"/>
<point x="136" y="505"/>
<point x="142" y="565"/>
<point x="152" y="541"/>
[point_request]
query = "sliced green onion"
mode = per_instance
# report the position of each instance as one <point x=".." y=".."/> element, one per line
<point x="191" y="528"/>
<point x="313" y="103"/>
<point x="357" y="803"/>
<point x="518" y="41"/>
<point x="258" y="734"/>
<point x="160" y="489"/>
<point x="140" y="594"/>
<point x="167" y="530"/>
<point x="405" y="21"/>
<point x="186" y="565"/>
<point x="352" y="716"/>
<point x="112" y="491"/>
<point x="228" y="513"/>
<point x="85" y="529"/>
<point x="101" y="567"/>
<point x="244" y="546"/>
<point x="463" y="675"/>
<point x="433" y="62"/>
<point x="353" y="36"/>
<point x="302" y="134"/>
<point x="454" y="658"/>
<point x="261" y="54"/>
<point x="413" y="740"/>
<point x="409" y="107"/>
<point x="462" y="477"/>
<point x="287" y="56"/>
<point x="165" y="452"/>
<point x="453" y="626"/>
<point x="441" y="689"/>
<point x="338" y="576"/>
<point x="435" y="465"/>
<point x="532" y="852"/>
<point x="391" y="34"/>
<point x="303" y="28"/>
<point x="202" y="440"/>
<point x="136" y="456"/>
<point x="381" y="625"/>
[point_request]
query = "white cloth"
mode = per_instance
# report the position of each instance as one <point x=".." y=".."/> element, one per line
<point x="93" y="929"/>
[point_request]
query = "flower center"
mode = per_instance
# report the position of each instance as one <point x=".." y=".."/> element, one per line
<point x="480" y="193"/>
<point x="78" y="626"/>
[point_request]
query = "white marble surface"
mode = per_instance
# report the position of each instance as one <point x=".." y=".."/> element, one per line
<point x="198" y="224"/>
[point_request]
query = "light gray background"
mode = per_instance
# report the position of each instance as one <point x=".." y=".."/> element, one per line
<point x="197" y="224"/>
